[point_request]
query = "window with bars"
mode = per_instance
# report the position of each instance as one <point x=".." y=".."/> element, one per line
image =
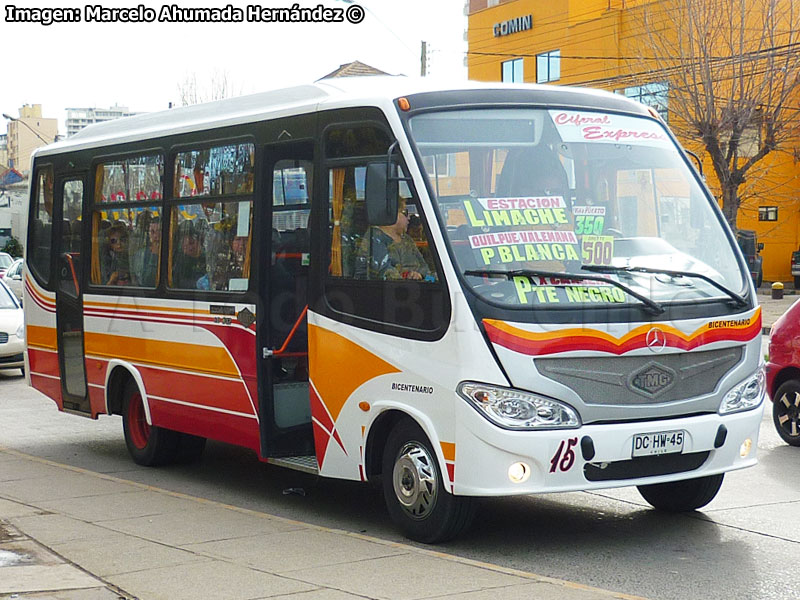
<point x="767" y="213"/>
<point x="655" y="95"/>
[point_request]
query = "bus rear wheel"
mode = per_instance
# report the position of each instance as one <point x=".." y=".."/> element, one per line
<point x="682" y="496"/>
<point x="147" y="444"/>
<point x="190" y="448"/>
<point x="414" y="490"/>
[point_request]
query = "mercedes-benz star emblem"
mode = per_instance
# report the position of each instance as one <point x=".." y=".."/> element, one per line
<point x="656" y="340"/>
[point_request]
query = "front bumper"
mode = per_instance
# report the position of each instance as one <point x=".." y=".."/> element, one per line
<point x="12" y="353"/>
<point x="484" y="453"/>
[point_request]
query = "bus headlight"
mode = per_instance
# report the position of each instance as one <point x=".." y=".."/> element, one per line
<point x="746" y="395"/>
<point x="515" y="409"/>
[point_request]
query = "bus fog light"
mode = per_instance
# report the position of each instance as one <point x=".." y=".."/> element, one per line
<point x="745" y="448"/>
<point x="519" y="472"/>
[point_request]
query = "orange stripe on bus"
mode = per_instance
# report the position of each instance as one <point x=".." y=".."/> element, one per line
<point x="448" y="450"/>
<point x="176" y="355"/>
<point x="126" y="306"/>
<point x="42" y="337"/>
<point x="339" y="366"/>
<point x="37" y="292"/>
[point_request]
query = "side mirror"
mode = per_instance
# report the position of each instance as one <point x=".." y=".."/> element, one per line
<point x="760" y="246"/>
<point x="381" y="193"/>
<point x="698" y="162"/>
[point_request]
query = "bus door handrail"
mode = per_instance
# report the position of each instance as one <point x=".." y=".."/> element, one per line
<point x="68" y="256"/>
<point x="282" y="350"/>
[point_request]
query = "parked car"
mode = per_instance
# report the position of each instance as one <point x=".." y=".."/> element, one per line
<point x="796" y="268"/>
<point x="748" y="242"/>
<point x="12" y="330"/>
<point x="783" y="375"/>
<point x="13" y="278"/>
<point x="5" y="262"/>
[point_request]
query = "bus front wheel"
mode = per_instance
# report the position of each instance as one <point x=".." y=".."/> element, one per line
<point x="414" y="489"/>
<point x="682" y="496"/>
<point x="147" y="444"/>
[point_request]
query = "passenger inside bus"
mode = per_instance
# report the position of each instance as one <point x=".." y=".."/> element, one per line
<point x="388" y="252"/>
<point x="144" y="265"/>
<point x="115" y="267"/>
<point x="189" y="263"/>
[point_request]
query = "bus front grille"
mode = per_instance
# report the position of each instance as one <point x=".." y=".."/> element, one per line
<point x="641" y="380"/>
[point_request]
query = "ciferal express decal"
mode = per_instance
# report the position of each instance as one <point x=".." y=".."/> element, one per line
<point x="564" y="458"/>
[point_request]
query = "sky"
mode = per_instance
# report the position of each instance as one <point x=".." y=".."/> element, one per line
<point x="141" y="65"/>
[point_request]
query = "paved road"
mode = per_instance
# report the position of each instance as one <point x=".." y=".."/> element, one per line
<point x="741" y="546"/>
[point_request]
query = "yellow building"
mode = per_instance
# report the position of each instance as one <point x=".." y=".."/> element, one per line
<point x="613" y="45"/>
<point x="28" y="132"/>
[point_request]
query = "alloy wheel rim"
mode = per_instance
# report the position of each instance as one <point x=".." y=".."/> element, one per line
<point x="414" y="480"/>
<point x="789" y="416"/>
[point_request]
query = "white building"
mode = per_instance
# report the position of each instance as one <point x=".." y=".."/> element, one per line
<point x="78" y="118"/>
<point x="13" y="211"/>
<point x="3" y="150"/>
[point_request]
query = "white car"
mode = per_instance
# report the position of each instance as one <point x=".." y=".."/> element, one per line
<point x="12" y="330"/>
<point x="5" y="261"/>
<point x="13" y="278"/>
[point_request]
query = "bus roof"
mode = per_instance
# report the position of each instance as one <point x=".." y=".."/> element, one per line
<point x="327" y="93"/>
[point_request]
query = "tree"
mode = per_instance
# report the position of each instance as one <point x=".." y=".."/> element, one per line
<point x="733" y="70"/>
<point x="219" y="87"/>
<point x="13" y="247"/>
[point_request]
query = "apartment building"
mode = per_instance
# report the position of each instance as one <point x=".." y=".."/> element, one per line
<point x="78" y="118"/>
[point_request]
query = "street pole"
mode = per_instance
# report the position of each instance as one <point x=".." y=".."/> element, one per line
<point x="36" y="133"/>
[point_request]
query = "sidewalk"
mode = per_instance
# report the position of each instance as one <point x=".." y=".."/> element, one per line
<point x="71" y="534"/>
<point x="772" y="309"/>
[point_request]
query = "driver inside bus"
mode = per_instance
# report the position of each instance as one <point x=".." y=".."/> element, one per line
<point x="388" y="252"/>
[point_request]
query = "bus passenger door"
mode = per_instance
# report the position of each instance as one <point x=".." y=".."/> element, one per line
<point x="70" y="193"/>
<point x="285" y="414"/>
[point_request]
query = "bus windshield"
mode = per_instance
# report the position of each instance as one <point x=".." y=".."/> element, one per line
<point x="534" y="199"/>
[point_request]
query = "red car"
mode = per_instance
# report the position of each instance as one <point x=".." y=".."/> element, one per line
<point x="783" y="375"/>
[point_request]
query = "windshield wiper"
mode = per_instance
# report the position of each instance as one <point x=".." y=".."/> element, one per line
<point x="740" y="301"/>
<point x="653" y="307"/>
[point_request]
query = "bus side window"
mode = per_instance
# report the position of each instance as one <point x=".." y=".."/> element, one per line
<point x="70" y="242"/>
<point x="41" y="229"/>
<point x="210" y="237"/>
<point x="360" y="251"/>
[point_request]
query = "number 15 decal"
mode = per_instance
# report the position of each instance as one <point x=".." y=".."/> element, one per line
<point x="563" y="462"/>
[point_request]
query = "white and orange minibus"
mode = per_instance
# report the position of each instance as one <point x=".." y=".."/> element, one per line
<point x="464" y="292"/>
